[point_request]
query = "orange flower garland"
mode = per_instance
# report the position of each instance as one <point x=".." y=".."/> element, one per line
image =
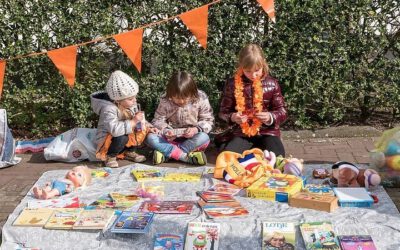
<point x="247" y="129"/>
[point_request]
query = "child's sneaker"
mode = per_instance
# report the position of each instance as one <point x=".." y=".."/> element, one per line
<point x="197" y="158"/>
<point x="158" y="157"/>
<point x="135" y="157"/>
<point x="111" y="162"/>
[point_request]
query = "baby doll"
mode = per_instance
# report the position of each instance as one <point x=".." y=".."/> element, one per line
<point x="346" y="174"/>
<point x="79" y="176"/>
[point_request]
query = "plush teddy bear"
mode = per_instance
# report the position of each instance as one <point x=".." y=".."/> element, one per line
<point x="346" y="174"/>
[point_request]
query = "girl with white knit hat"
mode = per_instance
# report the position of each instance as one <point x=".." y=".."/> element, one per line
<point x="121" y="125"/>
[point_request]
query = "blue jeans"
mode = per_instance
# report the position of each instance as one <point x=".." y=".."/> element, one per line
<point x="169" y="149"/>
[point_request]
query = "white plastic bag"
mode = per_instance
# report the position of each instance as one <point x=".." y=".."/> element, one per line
<point x="7" y="143"/>
<point x="74" y="145"/>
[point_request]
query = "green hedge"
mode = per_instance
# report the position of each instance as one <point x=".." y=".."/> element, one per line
<point x="331" y="57"/>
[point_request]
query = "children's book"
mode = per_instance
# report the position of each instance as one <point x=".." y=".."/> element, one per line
<point x="356" y="242"/>
<point x="225" y="188"/>
<point x="63" y="218"/>
<point x="62" y="202"/>
<point x="183" y="177"/>
<point x="319" y="189"/>
<point x="353" y="197"/>
<point x="223" y="209"/>
<point x="202" y="235"/>
<point x="124" y="200"/>
<point x="33" y="217"/>
<point x="132" y="222"/>
<point x="319" y="236"/>
<point x="278" y="235"/>
<point x="101" y="173"/>
<point x="168" y="241"/>
<point x="209" y="196"/>
<point x="148" y="175"/>
<point x="167" y="207"/>
<point x="104" y="202"/>
<point x="93" y="219"/>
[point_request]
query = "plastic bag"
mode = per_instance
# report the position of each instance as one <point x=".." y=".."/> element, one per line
<point x="7" y="143"/>
<point x="74" y="145"/>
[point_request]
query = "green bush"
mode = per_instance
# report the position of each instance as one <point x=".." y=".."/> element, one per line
<point x="331" y="57"/>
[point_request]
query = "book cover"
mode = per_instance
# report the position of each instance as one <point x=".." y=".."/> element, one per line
<point x="202" y="235"/>
<point x="167" y="207"/>
<point x="63" y="218"/>
<point x="101" y="173"/>
<point x="132" y="222"/>
<point x="278" y="235"/>
<point x="168" y="241"/>
<point x="277" y="187"/>
<point x="33" y="217"/>
<point x="314" y="201"/>
<point x="124" y="200"/>
<point x="356" y="242"/>
<point x="225" y="188"/>
<point x="209" y="196"/>
<point x="183" y="177"/>
<point x="93" y="219"/>
<point x="353" y="197"/>
<point x="320" y="189"/>
<point x="319" y="236"/>
<point x="148" y="175"/>
<point x="62" y="202"/>
<point x="103" y="202"/>
<point x="223" y="209"/>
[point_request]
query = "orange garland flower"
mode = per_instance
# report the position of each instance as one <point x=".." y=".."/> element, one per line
<point x="247" y="129"/>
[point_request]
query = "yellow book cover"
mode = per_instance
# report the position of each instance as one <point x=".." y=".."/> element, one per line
<point x="33" y="217"/>
<point x="124" y="200"/>
<point x="277" y="187"/>
<point x="182" y="177"/>
<point x="148" y="175"/>
<point x="63" y="218"/>
<point x="94" y="219"/>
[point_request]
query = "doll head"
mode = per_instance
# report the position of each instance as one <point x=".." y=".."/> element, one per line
<point x="181" y="88"/>
<point x="80" y="176"/>
<point x="252" y="61"/>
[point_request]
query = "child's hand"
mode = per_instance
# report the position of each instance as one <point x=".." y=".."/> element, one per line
<point x="170" y="135"/>
<point x="265" y="117"/>
<point x="190" y="132"/>
<point x="155" y="130"/>
<point x="139" y="116"/>
<point x="238" y="118"/>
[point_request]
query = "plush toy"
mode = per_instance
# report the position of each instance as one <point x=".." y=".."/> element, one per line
<point x="346" y="174"/>
<point x="242" y="169"/>
<point x="290" y="165"/>
<point x="78" y="176"/>
<point x="387" y="150"/>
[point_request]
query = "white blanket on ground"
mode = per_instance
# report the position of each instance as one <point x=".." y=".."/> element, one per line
<point x="382" y="221"/>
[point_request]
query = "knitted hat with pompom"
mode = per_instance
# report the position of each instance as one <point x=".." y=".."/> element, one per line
<point x="121" y="86"/>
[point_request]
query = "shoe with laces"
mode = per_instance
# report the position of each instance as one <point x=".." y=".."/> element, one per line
<point x="197" y="158"/>
<point x="158" y="157"/>
<point x="135" y="157"/>
<point x="111" y="162"/>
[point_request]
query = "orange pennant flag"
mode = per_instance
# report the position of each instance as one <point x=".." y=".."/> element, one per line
<point x="65" y="61"/>
<point x="197" y="22"/>
<point x="269" y="8"/>
<point x="131" y="44"/>
<point x="2" y="72"/>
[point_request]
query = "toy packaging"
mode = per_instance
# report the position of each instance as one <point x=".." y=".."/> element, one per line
<point x="353" y="197"/>
<point x="314" y="201"/>
<point x="278" y="235"/>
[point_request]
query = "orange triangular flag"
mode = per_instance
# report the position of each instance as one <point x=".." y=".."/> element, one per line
<point x="197" y="22"/>
<point x="2" y="72"/>
<point x="65" y="61"/>
<point x="131" y="44"/>
<point x="269" y="8"/>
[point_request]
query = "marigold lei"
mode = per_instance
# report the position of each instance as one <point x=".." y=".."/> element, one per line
<point x="247" y="129"/>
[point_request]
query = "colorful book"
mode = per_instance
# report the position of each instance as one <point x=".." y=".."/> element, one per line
<point x="183" y="177"/>
<point x="33" y="217"/>
<point x="353" y="197"/>
<point x="325" y="203"/>
<point x="319" y="236"/>
<point x="356" y="242"/>
<point x="167" y="207"/>
<point x="104" y="202"/>
<point x="148" y="175"/>
<point x="93" y="219"/>
<point x="319" y="189"/>
<point x="63" y="218"/>
<point x="132" y="222"/>
<point x="101" y="173"/>
<point x="225" y="188"/>
<point x="62" y="202"/>
<point x="209" y="196"/>
<point x="124" y="200"/>
<point x="202" y="235"/>
<point x="168" y="241"/>
<point x="278" y="235"/>
<point x="223" y="209"/>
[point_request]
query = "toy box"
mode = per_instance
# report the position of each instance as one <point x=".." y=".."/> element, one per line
<point x="277" y="187"/>
<point x="314" y="201"/>
<point x="353" y="197"/>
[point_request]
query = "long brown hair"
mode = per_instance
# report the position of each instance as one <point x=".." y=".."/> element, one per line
<point x="252" y="56"/>
<point x="181" y="85"/>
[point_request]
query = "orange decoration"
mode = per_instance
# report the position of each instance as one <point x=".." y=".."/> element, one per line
<point x="2" y="72"/>
<point x="197" y="22"/>
<point x="131" y="44"/>
<point x="247" y="129"/>
<point x="269" y="8"/>
<point x="65" y="61"/>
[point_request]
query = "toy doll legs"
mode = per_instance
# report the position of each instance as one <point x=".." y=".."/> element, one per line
<point x="271" y="143"/>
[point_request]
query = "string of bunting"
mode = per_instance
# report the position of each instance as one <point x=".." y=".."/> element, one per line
<point x="196" y="20"/>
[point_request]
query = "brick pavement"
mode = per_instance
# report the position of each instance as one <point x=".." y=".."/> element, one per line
<point x="16" y="181"/>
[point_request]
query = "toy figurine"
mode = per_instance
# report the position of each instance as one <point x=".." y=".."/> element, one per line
<point x="79" y="176"/>
<point x="346" y="174"/>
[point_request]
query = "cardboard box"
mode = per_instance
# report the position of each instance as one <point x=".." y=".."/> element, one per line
<point x="314" y="201"/>
<point x="277" y="187"/>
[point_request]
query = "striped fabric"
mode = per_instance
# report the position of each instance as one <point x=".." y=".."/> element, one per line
<point x="32" y="146"/>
